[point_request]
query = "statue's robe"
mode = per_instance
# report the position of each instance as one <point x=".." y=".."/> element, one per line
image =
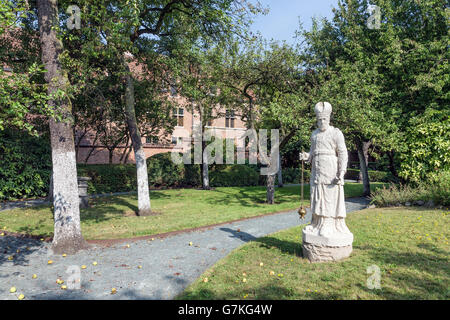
<point x="328" y="157"/>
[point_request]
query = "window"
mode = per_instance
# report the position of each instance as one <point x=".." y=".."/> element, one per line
<point x="151" y="140"/>
<point x="173" y="91"/>
<point x="229" y="118"/>
<point x="177" y="140"/>
<point x="178" y="113"/>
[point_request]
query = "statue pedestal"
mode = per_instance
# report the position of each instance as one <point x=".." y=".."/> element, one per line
<point x="318" y="248"/>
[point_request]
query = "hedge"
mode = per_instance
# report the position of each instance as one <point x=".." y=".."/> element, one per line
<point x="379" y="176"/>
<point x="235" y="175"/>
<point x="164" y="173"/>
<point x="25" y="165"/>
<point x="434" y="191"/>
<point x="106" y="178"/>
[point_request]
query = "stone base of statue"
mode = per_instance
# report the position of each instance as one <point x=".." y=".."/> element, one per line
<point x="332" y="247"/>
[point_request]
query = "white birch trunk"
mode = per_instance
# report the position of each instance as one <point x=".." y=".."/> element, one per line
<point x="67" y="230"/>
<point x="280" y="172"/>
<point x="144" y="207"/>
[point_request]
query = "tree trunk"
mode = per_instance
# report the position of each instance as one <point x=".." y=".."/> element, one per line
<point x="280" y="173"/>
<point x="50" y="188"/>
<point x="128" y="154"/>
<point x="363" y="169"/>
<point x="390" y="155"/>
<point x="67" y="233"/>
<point x="78" y="141"/>
<point x="124" y="149"/>
<point x="92" y="148"/>
<point x="144" y="207"/>
<point x="205" y="169"/>
<point x="110" y="155"/>
<point x="365" y="145"/>
<point x="270" y="188"/>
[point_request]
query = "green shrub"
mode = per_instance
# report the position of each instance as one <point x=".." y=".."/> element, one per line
<point x="163" y="172"/>
<point x="381" y="176"/>
<point x="352" y="174"/>
<point x="398" y="194"/>
<point x="108" y="178"/>
<point x="233" y="175"/>
<point x="192" y="175"/>
<point x="427" y="146"/>
<point x="378" y="176"/>
<point x="289" y="175"/>
<point x="440" y="188"/>
<point x="25" y="165"/>
<point x="436" y="189"/>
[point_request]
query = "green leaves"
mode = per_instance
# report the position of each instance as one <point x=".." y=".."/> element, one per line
<point x="378" y="81"/>
<point x="25" y="165"/>
<point x="428" y="147"/>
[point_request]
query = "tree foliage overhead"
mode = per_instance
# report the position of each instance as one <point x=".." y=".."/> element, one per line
<point x="385" y="83"/>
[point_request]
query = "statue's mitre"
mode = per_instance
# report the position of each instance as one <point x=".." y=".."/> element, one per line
<point x="323" y="109"/>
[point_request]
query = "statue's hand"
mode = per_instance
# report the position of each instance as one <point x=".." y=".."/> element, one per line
<point x="339" y="180"/>
<point x="303" y="156"/>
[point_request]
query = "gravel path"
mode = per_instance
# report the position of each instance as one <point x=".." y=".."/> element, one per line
<point x="168" y="265"/>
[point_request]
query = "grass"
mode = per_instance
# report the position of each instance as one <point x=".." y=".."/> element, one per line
<point x="114" y="217"/>
<point x="409" y="246"/>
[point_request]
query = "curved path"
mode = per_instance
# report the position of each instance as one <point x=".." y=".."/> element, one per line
<point x="168" y="265"/>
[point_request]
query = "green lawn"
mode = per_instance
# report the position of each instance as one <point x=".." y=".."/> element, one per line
<point x="409" y="246"/>
<point x="114" y="217"/>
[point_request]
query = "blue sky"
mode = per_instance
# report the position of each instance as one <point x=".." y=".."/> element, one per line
<point x="283" y="18"/>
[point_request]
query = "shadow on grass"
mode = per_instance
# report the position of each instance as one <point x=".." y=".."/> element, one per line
<point x="272" y="291"/>
<point x="254" y="196"/>
<point x="104" y="209"/>
<point x="288" y="247"/>
<point x="421" y="282"/>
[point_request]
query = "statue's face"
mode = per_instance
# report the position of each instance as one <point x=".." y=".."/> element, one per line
<point x="323" y="123"/>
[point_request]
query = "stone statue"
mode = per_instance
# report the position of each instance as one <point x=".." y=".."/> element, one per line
<point x="327" y="238"/>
